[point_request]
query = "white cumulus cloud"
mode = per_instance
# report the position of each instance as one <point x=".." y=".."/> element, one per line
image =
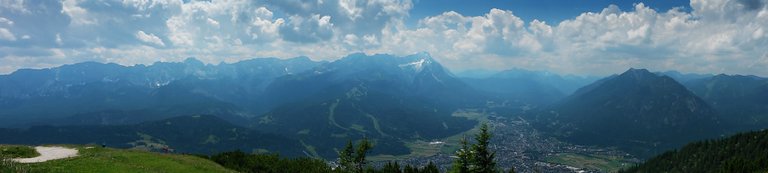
<point x="5" y="34"/>
<point x="713" y="36"/>
<point x="77" y="14"/>
<point x="5" y="21"/>
<point x="149" y="38"/>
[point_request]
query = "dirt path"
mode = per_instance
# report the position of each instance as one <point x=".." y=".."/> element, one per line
<point x="49" y="153"/>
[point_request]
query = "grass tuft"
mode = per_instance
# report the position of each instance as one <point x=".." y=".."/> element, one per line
<point x="18" y="151"/>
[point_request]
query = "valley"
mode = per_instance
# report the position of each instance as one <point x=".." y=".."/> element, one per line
<point x="519" y="145"/>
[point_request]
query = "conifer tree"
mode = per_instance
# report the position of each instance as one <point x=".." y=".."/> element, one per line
<point x="362" y="149"/>
<point x="463" y="160"/>
<point x="478" y="157"/>
<point x="410" y="169"/>
<point x="430" y="168"/>
<point x="483" y="156"/>
<point x="391" y="167"/>
<point x="346" y="161"/>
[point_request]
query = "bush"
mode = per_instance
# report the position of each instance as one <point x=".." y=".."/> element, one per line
<point x="243" y="162"/>
<point x="10" y="151"/>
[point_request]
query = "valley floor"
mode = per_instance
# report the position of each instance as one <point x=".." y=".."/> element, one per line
<point x="519" y="145"/>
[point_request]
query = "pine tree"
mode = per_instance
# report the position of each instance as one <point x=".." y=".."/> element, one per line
<point x="430" y="168"/>
<point x="463" y="160"/>
<point x="483" y="157"/>
<point x="346" y="162"/>
<point x="362" y="149"/>
<point x="391" y="168"/>
<point x="410" y="169"/>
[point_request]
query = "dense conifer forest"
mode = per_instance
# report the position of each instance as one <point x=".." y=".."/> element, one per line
<point x="745" y="152"/>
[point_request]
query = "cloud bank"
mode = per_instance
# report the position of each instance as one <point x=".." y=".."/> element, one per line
<point x="714" y="36"/>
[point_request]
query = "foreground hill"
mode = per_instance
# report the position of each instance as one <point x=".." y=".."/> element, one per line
<point x="637" y="111"/>
<point x="746" y="152"/>
<point x="97" y="159"/>
<point x="188" y="134"/>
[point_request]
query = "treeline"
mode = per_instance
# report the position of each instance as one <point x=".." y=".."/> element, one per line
<point x="471" y="158"/>
<point x="745" y="152"/>
<point x="244" y="162"/>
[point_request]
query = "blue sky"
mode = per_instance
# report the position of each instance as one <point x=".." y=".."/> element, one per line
<point x="551" y="11"/>
<point x="578" y="37"/>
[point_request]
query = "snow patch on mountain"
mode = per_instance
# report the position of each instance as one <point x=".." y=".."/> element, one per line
<point x="417" y="65"/>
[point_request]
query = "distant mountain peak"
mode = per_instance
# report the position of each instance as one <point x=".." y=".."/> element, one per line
<point x="424" y="54"/>
<point x="638" y="71"/>
<point x="413" y="64"/>
<point x="635" y="106"/>
<point x="193" y="61"/>
<point x="418" y="64"/>
<point x="638" y="74"/>
<point x="300" y="58"/>
<point x="736" y="76"/>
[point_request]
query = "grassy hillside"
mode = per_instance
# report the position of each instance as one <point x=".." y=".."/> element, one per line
<point x="201" y="134"/>
<point x="97" y="159"/>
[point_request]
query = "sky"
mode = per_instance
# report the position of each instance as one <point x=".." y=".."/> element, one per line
<point x="595" y="37"/>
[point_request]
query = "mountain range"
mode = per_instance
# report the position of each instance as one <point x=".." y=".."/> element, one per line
<point x="320" y="104"/>
<point x="317" y="106"/>
<point x="97" y="92"/>
<point x="386" y="98"/>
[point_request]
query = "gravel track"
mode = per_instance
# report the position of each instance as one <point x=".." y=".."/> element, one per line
<point x="49" y="153"/>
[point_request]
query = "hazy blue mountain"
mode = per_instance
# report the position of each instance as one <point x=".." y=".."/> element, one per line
<point x="383" y="97"/>
<point x="95" y="88"/>
<point x="186" y="134"/>
<point x="638" y="111"/>
<point x="742" y="100"/>
<point x="566" y="84"/>
<point x="684" y="77"/>
<point x="519" y="92"/>
<point x="389" y="99"/>
<point x="476" y="73"/>
<point x="524" y="89"/>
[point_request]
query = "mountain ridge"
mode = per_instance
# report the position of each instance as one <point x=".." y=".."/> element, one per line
<point x="105" y="87"/>
<point x="740" y="98"/>
<point x="382" y="97"/>
<point x="635" y="110"/>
